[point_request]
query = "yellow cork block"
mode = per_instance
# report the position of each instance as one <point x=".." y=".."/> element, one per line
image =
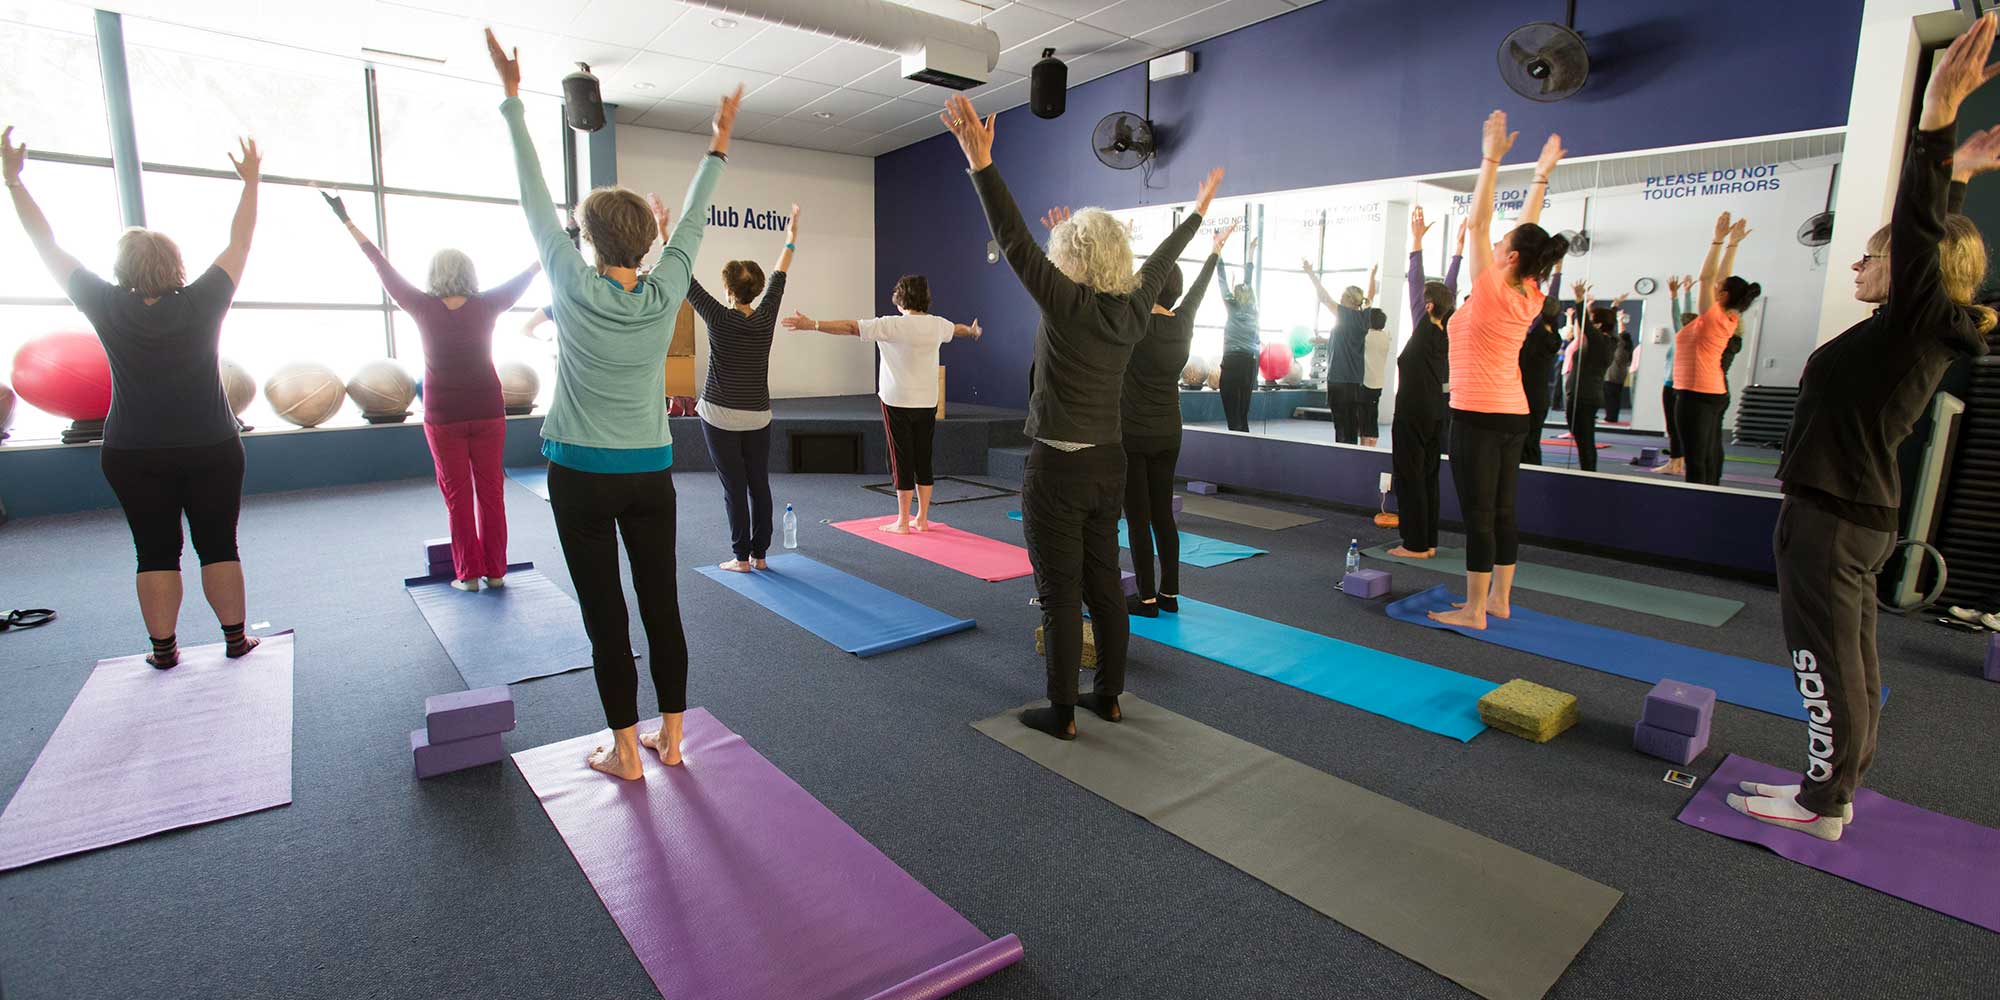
<point x="1528" y="710"/>
<point x="1089" y="645"/>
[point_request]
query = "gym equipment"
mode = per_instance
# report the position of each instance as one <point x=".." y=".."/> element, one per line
<point x="1243" y="513"/>
<point x="383" y="391"/>
<point x="974" y="555"/>
<point x="1497" y="921"/>
<point x="1938" y="862"/>
<point x="1368" y="583"/>
<point x="6" y="410"/>
<point x="1129" y="583"/>
<point x="437" y="556"/>
<point x="238" y="386"/>
<point x="1215" y="378"/>
<point x="66" y="374"/>
<point x="853" y="614"/>
<point x="519" y="385"/>
<point x="755" y="859"/>
<point x="461" y="715"/>
<point x="1431" y="698"/>
<point x="1528" y="710"/>
<point x="1611" y="591"/>
<point x="1273" y="361"/>
<point x="1295" y="374"/>
<point x="228" y="722"/>
<point x="1199" y="488"/>
<point x="1679" y="748"/>
<point x="524" y="630"/>
<point x="1301" y="341"/>
<point x="304" y="393"/>
<point x="1089" y="661"/>
<point x="1679" y="708"/>
<point x="433" y="759"/>
<point x="1992" y="672"/>
<point x="1195" y="374"/>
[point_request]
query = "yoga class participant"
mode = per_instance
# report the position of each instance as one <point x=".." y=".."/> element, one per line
<point x="1544" y="341"/>
<point x="1149" y="417"/>
<point x="464" y="419"/>
<point x="1680" y="305"/>
<point x="606" y="438"/>
<point x="1376" y="362"/>
<point x="1596" y="338"/>
<point x="735" y="404"/>
<point x="1624" y="353"/>
<point x="1858" y="399"/>
<point x="908" y="376"/>
<point x="1489" y="406"/>
<point x="1240" y="341"/>
<point x="1700" y="395"/>
<point x="1094" y="309"/>
<point x="171" y="444"/>
<point x="1347" y="354"/>
<point x="1415" y="441"/>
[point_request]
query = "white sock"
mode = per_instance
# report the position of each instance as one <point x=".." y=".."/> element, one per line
<point x="1789" y="815"/>
<point x="496" y="581"/>
<point x="1787" y="792"/>
<point x="466" y="585"/>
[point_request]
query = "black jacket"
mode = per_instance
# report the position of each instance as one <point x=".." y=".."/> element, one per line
<point x="1150" y="405"/>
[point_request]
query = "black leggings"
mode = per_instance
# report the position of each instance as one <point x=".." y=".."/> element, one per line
<point x="1239" y="380"/>
<point x="1699" y="416"/>
<point x="1485" y="470"/>
<point x="910" y="429"/>
<point x="1614" y="401"/>
<point x="1531" y="442"/>
<point x="1667" y="402"/>
<point x="743" y="463"/>
<point x="156" y="486"/>
<point x="1368" y="413"/>
<point x="1345" y="400"/>
<point x="1583" y="427"/>
<point x="1413" y="443"/>
<point x="1149" y="511"/>
<point x="592" y="509"/>
<point x="1070" y="502"/>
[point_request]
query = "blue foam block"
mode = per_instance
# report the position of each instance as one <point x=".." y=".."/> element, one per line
<point x="843" y="609"/>
<point x="1678" y="707"/>
<point x="462" y="715"/>
<point x="434" y="759"/>
<point x="1365" y="583"/>
<point x="1204" y="489"/>
<point x="1667" y="745"/>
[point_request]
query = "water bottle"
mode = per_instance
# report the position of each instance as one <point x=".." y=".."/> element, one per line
<point x="792" y="529"/>
<point x="1353" y="553"/>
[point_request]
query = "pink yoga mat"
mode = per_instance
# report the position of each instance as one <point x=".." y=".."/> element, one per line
<point x="974" y="555"/>
<point x="731" y="881"/>
<point x="142" y="751"/>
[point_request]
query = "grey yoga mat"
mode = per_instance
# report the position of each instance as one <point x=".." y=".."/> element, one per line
<point x="1663" y="602"/>
<point x="1242" y="513"/>
<point x="1492" y="919"/>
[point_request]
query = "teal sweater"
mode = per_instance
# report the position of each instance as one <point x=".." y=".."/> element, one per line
<point x="610" y="389"/>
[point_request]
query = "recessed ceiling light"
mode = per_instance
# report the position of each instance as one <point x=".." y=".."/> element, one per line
<point x="823" y="115"/>
<point x="724" y="22"/>
<point x="643" y="86"/>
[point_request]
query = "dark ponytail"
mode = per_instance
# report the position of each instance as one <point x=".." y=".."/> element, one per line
<point x="1741" y="294"/>
<point x="1604" y="319"/>
<point x="1170" y="289"/>
<point x="1539" y="252"/>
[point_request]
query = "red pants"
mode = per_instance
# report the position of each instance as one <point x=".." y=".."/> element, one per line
<point x="469" y="474"/>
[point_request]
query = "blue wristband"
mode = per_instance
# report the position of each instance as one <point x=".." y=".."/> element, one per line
<point x="788" y="246"/>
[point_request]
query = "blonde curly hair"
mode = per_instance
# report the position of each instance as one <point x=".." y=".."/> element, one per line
<point x="1961" y="264"/>
<point x="1094" y="250"/>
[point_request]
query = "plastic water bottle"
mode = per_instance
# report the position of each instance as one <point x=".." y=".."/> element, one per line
<point x="792" y="528"/>
<point x="1353" y="553"/>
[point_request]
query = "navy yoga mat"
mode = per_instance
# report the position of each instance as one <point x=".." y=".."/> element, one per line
<point x="1196" y="550"/>
<point x="522" y="631"/>
<point x="841" y="608"/>
<point x="535" y="478"/>
<point x="1766" y="687"/>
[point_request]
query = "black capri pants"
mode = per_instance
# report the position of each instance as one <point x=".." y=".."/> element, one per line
<point x="910" y="429"/>
<point x="1485" y="471"/>
<point x="158" y="486"/>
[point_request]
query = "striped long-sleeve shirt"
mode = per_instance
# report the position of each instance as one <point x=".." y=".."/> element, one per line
<point x="739" y="351"/>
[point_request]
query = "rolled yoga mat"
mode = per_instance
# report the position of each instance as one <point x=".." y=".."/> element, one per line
<point x="841" y="608"/>
<point x="519" y="632"/>
<point x="1442" y="701"/>
<point x="1661" y="602"/>
<point x="534" y="478"/>
<point x="1935" y="861"/>
<point x="1766" y="687"/>
<point x="1196" y="550"/>
<point x="142" y="751"/>
<point x="729" y="880"/>
<point x="974" y="555"/>
<point x="1243" y="513"/>
<point x="1499" y="922"/>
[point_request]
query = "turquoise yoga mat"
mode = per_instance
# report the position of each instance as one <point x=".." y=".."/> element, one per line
<point x="1442" y="701"/>
<point x="1664" y="602"/>
<point x="1196" y="550"/>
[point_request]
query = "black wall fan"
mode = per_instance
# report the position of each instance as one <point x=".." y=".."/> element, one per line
<point x="1545" y="61"/>
<point x="1123" y="140"/>
<point x="1817" y="231"/>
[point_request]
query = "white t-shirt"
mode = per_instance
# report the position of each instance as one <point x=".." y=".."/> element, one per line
<point x="909" y="346"/>
<point x="1375" y="356"/>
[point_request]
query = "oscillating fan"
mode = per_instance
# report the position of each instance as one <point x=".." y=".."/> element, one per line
<point x="1545" y="61"/>
<point x="1818" y="230"/>
<point x="1123" y="140"/>
<point x="1579" y="241"/>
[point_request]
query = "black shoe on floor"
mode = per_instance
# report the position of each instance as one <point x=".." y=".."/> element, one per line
<point x="1170" y="605"/>
<point x="1135" y="605"/>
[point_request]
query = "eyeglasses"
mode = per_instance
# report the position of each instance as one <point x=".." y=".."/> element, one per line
<point x="1866" y="257"/>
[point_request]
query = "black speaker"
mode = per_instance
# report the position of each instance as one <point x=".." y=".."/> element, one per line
<point x="583" y="103"/>
<point x="1048" y="86"/>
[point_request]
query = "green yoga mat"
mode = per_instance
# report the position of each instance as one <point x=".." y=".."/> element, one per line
<point x="1663" y="602"/>
<point x="1242" y="513"/>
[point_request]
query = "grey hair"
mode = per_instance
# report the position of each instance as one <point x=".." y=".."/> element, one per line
<point x="452" y="274"/>
<point x="1094" y="250"/>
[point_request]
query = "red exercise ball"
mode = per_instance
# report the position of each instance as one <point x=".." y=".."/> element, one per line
<point x="1275" y="361"/>
<point x="65" y="374"/>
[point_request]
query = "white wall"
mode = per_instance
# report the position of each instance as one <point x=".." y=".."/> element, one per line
<point x="833" y="273"/>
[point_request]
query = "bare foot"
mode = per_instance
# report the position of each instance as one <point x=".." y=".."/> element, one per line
<point x="735" y="566"/>
<point x="1403" y="553"/>
<point x="611" y="762"/>
<point x="1460" y="618"/>
<point x="760" y="564"/>
<point x="923" y="524"/>
<point x="898" y="528"/>
<point x="1497" y="609"/>
<point x="670" y="754"/>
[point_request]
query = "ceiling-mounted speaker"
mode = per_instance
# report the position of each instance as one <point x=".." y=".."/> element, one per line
<point x="583" y="102"/>
<point x="1048" y="86"/>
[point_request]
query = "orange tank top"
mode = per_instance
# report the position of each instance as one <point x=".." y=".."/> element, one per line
<point x="1698" y="352"/>
<point x="1486" y="335"/>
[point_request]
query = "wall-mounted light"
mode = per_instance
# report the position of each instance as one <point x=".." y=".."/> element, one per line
<point x="643" y="86"/>
<point x="724" y="22"/>
<point x="825" y="116"/>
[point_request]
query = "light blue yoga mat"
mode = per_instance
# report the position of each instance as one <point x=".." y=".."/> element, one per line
<point x="505" y="635"/>
<point x="1196" y="550"/>
<point x="534" y="477"/>
<point x="1665" y="602"/>
<point x="843" y="609"/>
<point x="1443" y="701"/>
<point x="1767" y="687"/>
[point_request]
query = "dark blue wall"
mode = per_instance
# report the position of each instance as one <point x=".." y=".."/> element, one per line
<point x="1350" y="91"/>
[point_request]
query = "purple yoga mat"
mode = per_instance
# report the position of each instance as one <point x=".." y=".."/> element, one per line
<point x="731" y="881"/>
<point x="1936" y="861"/>
<point x="142" y="751"/>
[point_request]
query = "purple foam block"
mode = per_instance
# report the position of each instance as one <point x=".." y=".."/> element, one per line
<point x="437" y="551"/>
<point x="434" y="759"/>
<point x="1679" y="707"/>
<point x="1993" y="657"/>
<point x="462" y="715"/>
<point x="1666" y="745"/>
<point x="1204" y="489"/>
<point x="1177" y="503"/>
<point x="1365" y="583"/>
<point x="1130" y="583"/>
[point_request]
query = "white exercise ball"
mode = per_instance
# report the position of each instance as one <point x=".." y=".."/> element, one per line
<point x="1195" y="373"/>
<point x="1295" y="376"/>
<point x="382" y="388"/>
<point x="519" y="385"/>
<point x="1215" y="377"/>
<point x="305" y="393"/>
<point x="6" y="408"/>
<point x="238" y="386"/>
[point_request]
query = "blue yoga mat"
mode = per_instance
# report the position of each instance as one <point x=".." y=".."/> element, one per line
<point x="843" y="609"/>
<point x="1196" y="550"/>
<point x="522" y="631"/>
<point x="1766" y="687"/>
<point x="534" y="477"/>
<point x="1443" y="701"/>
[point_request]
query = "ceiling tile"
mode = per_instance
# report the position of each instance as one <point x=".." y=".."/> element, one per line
<point x="841" y="104"/>
<point x="1070" y="8"/>
<point x="784" y="96"/>
<point x="1018" y="22"/>
<point x="878" y="145"/>
<point x="778" y="49"/>
<point x="787" y="132"/>
<point x="666" y="73"/>
<point x="716" y="81"/>
<point x="842" y="64"/>
<point x="1111" y="59"/>
<point x="1130" y="17"/>
<point x="957" y="10"/>
<point x="1071" y="40"/>
<point x="1217" y="20"/>
<point x="922" y="128"/>
<point x="695" y="35"/>
<point x="835" y="139"/>
<point x="888" y="81"/>
<point x="629" y="112"/>
<point x="995" y="101"/>
<point x="675" y="116"/>
<point x="604" y="58"/>
<point x="891" y="114"/>
<point x="625" y="22"/>
<point x="1001" y="78"/>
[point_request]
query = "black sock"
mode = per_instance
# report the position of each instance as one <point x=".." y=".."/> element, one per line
<point x="238" y="643"/>
<point x="1105" y="705"/>
<point x="1171" y="603"/>
<point x="1134" y="604"/>
<point x="166" y="653"/>
<point x="1058" y="721"/>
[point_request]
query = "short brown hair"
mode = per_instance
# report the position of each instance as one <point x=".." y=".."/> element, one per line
<point x="618" y="225"/>
<point x="744" y="279"/>
<point x="912" y="292"/>
<point x="148" y="263"/>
